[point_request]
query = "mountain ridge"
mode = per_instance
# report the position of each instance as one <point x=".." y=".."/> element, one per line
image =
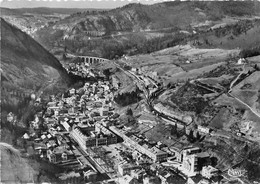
<point x="160" y="15"/>
<point x="27" y="67"/>
<point x="88" y="30"/>
<point x="44" y="10"/>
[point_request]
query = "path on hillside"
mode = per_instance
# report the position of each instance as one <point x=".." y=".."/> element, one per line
<point x="239" y="100"/>
<point x="234" y="81"/>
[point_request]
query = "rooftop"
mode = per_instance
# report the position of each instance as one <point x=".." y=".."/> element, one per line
<point x="156" y="151"/>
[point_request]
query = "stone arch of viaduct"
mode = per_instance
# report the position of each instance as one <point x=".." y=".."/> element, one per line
<point x="92" y="60"/>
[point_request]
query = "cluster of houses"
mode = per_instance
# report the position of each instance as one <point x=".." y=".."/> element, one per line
<point x="86" y="116"/>
<point x="48" y="140"/>
<point x="82" y="115"/>
<point x="192" y="165"/>
<point x="80" y="69"/>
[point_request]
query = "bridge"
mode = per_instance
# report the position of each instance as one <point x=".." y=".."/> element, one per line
<point x="90" y="60"/>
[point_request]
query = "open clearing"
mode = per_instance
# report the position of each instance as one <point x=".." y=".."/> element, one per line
<point x="249" y="94"/>
<point x="180" y="62"/>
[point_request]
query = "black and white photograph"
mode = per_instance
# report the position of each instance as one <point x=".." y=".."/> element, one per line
<point x="130" y="92"/>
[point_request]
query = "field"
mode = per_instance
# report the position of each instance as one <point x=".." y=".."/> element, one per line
<point x="180" y="62"/>
<point x="215" y="81"/>
<point x="184" y="76"/>
<point x="162" y="133"/>
<point x="254" y="60"/>
<point x="220" y="119"/>
<point x="228" y="101"/>
<point x="250" y="94"/>
<point x="248" y="115"/>
<point x="230" y="39"/>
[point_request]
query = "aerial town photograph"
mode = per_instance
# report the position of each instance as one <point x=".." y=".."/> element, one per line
<point x="130" y="92"/>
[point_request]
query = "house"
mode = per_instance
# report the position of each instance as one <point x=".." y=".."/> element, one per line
<point x="10" y="117"/>
<point x="137" y="173"/>
<point x="194" y="179"/>
<point x="200" y="180"/>
<point x="43" y="137"/>
<point x="133" y="70"/>
<point x="72" y="91"/>
<point x="128" y="180"/>
<point x="170" y="178"/>
<point x="164" y="176"/>
<point x="241" y="61"/>
<point x="59" y="154"/>
<point x="90" y="175"/>
<point x="203" y="129"/>
<point x="103" y="111"/>
<point x="209" y="172"/>
<point x="126" y="168"/>
<point x="51" y="143"/>
<point x="151" y="179"/>
<point x="66" y="126"/>
<point x="26" y="136"/>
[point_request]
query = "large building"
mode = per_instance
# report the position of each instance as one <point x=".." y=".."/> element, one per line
<point x="192" y="160"/>
<point x="93" y="136"/>
<point x="154" y="153"/>
<point x="190" y="165"/>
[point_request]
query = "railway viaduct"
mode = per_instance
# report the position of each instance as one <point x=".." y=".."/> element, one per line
<point x="91" y="60"/>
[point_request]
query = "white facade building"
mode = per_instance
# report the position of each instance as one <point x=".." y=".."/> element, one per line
<point x="209" y="171"/>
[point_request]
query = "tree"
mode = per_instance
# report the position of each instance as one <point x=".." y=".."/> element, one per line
<point x="129" y="112"/>
<point x="198" y="136"/>
<point x="174" y="129"/>
<point x="246" y="148"/>
<point x="256" y="67"/>
<point x="184" y="130"/>
<point x="190" y="136"/>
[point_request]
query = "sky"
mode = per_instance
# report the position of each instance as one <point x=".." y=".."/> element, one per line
<point x="103" y="4"/>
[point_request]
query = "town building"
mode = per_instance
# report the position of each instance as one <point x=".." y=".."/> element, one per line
<point x="203" y="129"/>
<point x="192" y="159"/>
<point x="137" y="173"/>
<point x="90" y="175"/>
<point x="190" y="165"/>
<point x="66" y="125"/>
<point x="59" y="154"/>
<point x="151" y="179"/>
<point x="154" y="153"/>
<point x="92" y="136"/>
<point x="126" y="168"/>
<point x="127" y="179"/>
<point x="209" y="171"/>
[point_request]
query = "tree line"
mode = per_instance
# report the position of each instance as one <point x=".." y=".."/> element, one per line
<point x="135" y="44"/>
